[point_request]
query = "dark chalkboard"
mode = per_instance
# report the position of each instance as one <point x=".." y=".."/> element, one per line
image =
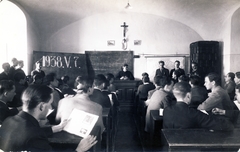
<point x="103" y="62"/>
<point x="70" y="64"/>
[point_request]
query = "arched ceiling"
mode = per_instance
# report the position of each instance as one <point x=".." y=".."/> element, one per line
<point x="52" y="15"/>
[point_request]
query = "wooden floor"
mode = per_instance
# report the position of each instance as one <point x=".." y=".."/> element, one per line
<point x="127" y="136"/>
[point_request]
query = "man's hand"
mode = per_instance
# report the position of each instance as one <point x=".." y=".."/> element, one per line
<point x="86" y="143"/>
<point x="218" y="111"/>
<point x="59" y="127"/>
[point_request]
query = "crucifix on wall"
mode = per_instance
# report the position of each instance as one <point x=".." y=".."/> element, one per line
<point x="124" y="28"/>
<point x="124" y="42"/>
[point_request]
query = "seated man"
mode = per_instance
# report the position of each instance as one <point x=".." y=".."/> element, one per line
<point x="80" y="101"/>
<point x="234" y="115"/>
<point x="230" y="85"/>
<point x="7" y="92"/>
<point x="125" y="74"/>
<point x="218" y="98"/>
<point x="181" y="116"/>
<point x="158" y="85"/>
<point x="143" y="89"/>
<point x="97" y="95"/>
<point x="198" y="93"/>
<point x="23" y="133"/>
<point x="160" y="99"/>
<point x="19" y="82"/>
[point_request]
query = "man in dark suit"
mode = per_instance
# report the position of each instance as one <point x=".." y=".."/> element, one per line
<point x="5" y="74"/>
<point x="181" y="116"/>
<point x="7" y="92"/>
<point x="97" y="95"/>
<point x="12" y="69"/>
<point x="177" y="70"/>
<point x="23" y="132"/>
<point x="162" y="71"/>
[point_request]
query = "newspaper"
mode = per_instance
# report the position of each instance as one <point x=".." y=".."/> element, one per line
<point x="80" y="123"/>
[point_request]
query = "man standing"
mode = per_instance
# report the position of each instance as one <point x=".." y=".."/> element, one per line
<point x="13" y="68"/>
<point x="38" y="70"/>
<point x="177" y="70"/>
<point x="162" y="71"/>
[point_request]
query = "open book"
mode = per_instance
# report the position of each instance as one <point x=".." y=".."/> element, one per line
<point x="80" y="123"/>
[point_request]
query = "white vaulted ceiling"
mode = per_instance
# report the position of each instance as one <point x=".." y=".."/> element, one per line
<point x="52" y="15"/>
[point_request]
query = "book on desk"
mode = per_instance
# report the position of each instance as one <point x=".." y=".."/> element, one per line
<point x="80" y="123"/>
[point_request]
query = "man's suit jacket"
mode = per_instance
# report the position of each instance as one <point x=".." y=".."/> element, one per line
<point x="181" y="116"/>
<point x="218" y="98"/>
<point x="6" y="112"/>
<point x="82" y="102"/>
<point x="4" y="76"/>
<point x="22" y="132"/>
<point x="100" y="98"/>
<point x="143" y="89"/>
<point x="159" y="99"/>
<point x="164" y="72"/>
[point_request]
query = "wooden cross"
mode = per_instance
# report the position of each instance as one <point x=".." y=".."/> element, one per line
<point x="124" y="28"/>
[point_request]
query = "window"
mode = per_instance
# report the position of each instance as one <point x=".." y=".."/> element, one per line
<point x="13" y="34"/>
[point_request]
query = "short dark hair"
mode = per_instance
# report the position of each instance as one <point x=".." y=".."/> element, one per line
<point x="145" y="79"/>
<point x="6" y="85"/>
<point x="49" y="78"/>
<point x="195" y="80"/>
<point x="182" y="88"/>
<point x="99" y="79"/>
<point x="109" y="76"/>
<point x="238" y="75"/>
<point x="85" y="81"/>
<point x="145" y="74"/>
<point x="35" y="94"/>
<point x="177" y="61"/>
<point x="231" y="75"/>
<point x="183" y="78"/>
<point x="65" y="78"/>
<point x="125" y="64"/>
<point x="161" y="62"/>
<point x="214" y="77"/>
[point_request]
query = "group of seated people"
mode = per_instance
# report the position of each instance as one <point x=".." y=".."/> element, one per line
<point x="190" y="101"/>
<point x="27" y="124"/>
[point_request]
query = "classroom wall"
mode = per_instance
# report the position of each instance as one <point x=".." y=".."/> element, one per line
<point x="235" y="42"/>
<point x="159" y="35"/>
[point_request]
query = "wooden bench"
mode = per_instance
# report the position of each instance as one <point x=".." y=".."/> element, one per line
<point x="66" y="141"/>
<point x="200" y="139"/>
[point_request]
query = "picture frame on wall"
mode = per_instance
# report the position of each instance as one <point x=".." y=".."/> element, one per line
<point x="137" y="42"/>
<point x="110" y="42"/>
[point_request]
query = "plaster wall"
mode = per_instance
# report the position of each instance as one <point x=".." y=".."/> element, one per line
<point x="158" y="35"/>
<point x="235" y="39"/>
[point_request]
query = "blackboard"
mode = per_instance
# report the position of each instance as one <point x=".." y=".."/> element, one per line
<point x="103" y="62"/>
<point x="70" y="64"/>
